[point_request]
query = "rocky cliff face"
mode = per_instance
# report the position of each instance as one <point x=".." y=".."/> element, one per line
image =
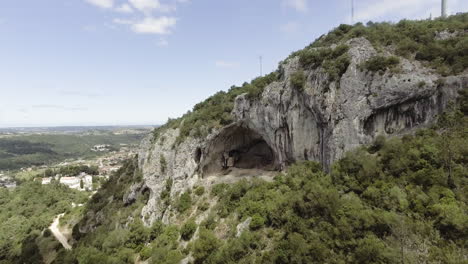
<point x="320" y="122"/>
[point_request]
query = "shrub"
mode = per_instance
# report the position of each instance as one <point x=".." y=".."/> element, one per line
<point x="209" y="223"/>
<point x="163" y="164"/>
<point x="145" y="253"/>
<point x="378" y="143"/>
<point x="219" y="189"/>
<point x="298" y="80"/>
<point x="381" y="63"/>
<point x="257" y="222"/>
<point x="184" y="202"/>
<point x="335" y="62"/>
<point x="166" y="193"/>
<point x="200" y="190"/>
<point x="47" y="233"/>
<point x="204" y="206"/>
<point x="205" y="246"/>
<point x="188" y="229"/>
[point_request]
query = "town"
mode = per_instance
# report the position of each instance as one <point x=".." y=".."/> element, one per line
<point x="80" y="174"/>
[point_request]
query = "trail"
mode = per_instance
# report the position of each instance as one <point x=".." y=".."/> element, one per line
<point x="57" y="234"/>
<point x="234" y="175"/>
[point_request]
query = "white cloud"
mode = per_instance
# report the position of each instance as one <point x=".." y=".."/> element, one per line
<point x="149" y="25"/>
<point x="225" y="64"/>
<point x="124" y="8"/>
<point x="123" y="21"/>
<point x="102" y="3"/>
<point x="299" y="5"/>
<point x="147" y="6"/>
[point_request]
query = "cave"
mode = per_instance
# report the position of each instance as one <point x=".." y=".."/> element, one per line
<point x="238" y="147"/>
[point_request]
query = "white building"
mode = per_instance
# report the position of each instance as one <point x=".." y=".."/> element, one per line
<point x="46" y="180"/>
<point x="74" y="182"/>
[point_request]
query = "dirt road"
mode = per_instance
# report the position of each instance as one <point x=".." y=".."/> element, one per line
<point x="54" y="228"/>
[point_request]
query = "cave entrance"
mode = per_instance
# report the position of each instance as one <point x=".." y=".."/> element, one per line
<point x="238" y="147"/>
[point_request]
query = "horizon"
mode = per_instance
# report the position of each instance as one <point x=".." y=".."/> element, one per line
<point x="127" y="62"/>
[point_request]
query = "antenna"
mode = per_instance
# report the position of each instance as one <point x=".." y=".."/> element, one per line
<point x="444" y="8"/>
<point x="352" y="12"/>
<point x="261" y="66"/>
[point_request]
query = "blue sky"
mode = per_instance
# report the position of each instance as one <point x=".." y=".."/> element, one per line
<point x="122" y="62"/>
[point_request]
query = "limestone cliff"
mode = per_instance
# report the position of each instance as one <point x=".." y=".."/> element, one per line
<point x="319" y="122"/>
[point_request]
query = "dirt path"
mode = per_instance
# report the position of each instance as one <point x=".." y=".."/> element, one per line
<point x="234" y="175"/>
<point x="54" y="228"/>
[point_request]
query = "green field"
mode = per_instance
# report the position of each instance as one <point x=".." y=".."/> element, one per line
<point x="34" y="150"/>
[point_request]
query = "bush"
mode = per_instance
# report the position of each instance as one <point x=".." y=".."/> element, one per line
<point x="188" y="229"/>
<point x="184" y="203"/>
<point x="163" y="164"/>
<point x="298" y="80"/>
<point x="205" y="247"/>
<point x="203" y="206"/>
<point x="47" y="233"/>
<point x="209" y="223"/>
<point x="200" y="190"/>
<point x="145" y="253"/>
<point x="380" y="63"/>
<point x="166" y="193"/>
<point x="257" y="222"/>
<point x="335" y="62"/>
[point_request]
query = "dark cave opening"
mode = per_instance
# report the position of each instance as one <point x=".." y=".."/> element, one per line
<point x="238" y="147"/>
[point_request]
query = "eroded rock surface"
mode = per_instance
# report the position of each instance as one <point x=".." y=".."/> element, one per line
<point x="285" y="125"/>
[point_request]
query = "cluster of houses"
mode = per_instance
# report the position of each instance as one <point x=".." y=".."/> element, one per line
<point x="101" y="148"/>
<point x="82" y="182"/>
<point x="6" y="181"/>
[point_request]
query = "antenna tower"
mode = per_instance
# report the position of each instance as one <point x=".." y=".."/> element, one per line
<point x="444" y="8"/>
<point x="261" y="66"/>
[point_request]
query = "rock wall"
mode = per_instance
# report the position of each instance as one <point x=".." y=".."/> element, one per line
<point x="320" y="123"/>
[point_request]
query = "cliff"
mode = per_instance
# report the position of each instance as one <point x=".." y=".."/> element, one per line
<point x="378" y="115"/>
<point x="319" y="121"/>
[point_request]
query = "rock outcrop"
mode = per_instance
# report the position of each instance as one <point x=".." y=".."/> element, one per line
<point x="320" y="122"/>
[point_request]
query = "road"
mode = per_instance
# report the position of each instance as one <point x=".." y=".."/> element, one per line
<point x="54" y="228"/>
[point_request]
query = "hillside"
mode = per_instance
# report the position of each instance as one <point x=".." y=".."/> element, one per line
<point x="22" y="151"/>
<point x="353" y="151"/>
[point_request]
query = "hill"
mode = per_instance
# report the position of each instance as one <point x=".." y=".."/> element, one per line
<point x="353" y="151"/>
<point x="22" y="151"/>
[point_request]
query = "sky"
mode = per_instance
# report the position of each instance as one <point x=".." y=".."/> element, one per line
<point x="139" y="62"/>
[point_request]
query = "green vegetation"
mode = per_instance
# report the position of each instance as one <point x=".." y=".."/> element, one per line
<point x="334" y="61"/>
<point x="25" y="212"/>
<point x="200" y="190"/>
<point x="184" y="202"/>
<point x="298" y="80"/>
<point x="166" y="193"/>
<point x="214" y="112"/>
<point x="72" y="170"/>
<point x="382" y="203"/>
<point x="35" y="150"/>
<point x="412" y="39"/>
<point x="188" y="229"/>
<point x="381" y="64"/>
<point x="399" y="200"/>
<point x="163" y="164"/>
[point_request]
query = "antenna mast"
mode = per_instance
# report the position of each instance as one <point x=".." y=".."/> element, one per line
<point x="352" y="12"/>
<point x="444" y="8"/>
<point x="261" y="66"/>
